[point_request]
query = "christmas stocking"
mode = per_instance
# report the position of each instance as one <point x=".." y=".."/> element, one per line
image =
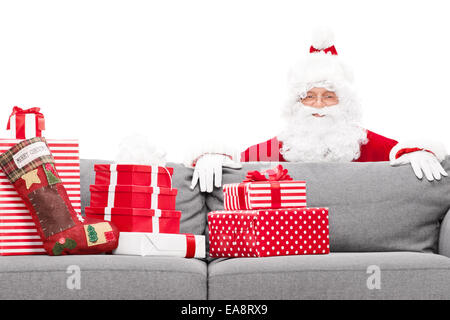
<point x="29" y="166"/>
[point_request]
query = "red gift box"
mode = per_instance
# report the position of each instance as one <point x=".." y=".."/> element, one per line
<point x="139" y="175"/>
<point x="261" y="192"/>
<point x="18" y="233"/>
<point x="138" y="220"/>
<point x="271" y="232"/>
<point x="133" y="197"/>
<point x="25" y="124"/>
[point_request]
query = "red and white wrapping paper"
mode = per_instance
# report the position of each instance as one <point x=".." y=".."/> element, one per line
<point x="272" y="232"/>
<point x="26" y="124"/>
<point x="133" y="197"/>
<point x="138" y="175"/>
<point x="18" y="233"/>
<point x="161" y="244"/>
<point x="264" y="194"/>
<point x="138" y="220"/>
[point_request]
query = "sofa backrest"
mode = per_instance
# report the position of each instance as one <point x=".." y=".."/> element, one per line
<point x="191" y="203"/>
<point x="372" y="206"/>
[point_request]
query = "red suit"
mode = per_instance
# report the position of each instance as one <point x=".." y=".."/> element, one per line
<point x="376" y="149"/>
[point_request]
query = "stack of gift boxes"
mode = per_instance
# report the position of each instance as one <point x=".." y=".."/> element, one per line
<point x="18" y="232"/>
<point x="266" y="215"/>
<point x="140" y="201"/>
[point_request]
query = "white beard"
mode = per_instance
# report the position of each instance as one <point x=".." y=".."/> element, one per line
<point x="333" y="138"/>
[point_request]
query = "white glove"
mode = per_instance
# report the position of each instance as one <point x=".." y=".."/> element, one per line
<point x="422" y="162"/>
<point x="208" y="170"/>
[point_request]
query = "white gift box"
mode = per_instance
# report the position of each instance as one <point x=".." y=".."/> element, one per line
<point x="161" y="244"/>
<point x="26" y="124"/>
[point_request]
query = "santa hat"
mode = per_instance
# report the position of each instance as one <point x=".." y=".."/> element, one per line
<point x="321" y="66"/>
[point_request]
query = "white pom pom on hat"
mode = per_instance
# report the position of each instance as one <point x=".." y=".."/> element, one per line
<point x="322" y="38"/>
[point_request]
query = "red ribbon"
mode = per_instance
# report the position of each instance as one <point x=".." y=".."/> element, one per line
<point x="274" y="176"/>
<point x="190" y="245"/>
<point x="20" y="121"/>
<point x="241" y="196"/>
<point x="331" y="49"/>
<point x="275" y="194"/>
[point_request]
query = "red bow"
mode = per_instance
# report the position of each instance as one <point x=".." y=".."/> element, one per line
<point x="17" y="110"/>
<point x="331" y="49"/>
<point x="275" y="174"/>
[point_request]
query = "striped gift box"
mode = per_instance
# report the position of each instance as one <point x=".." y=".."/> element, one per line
<point x="18" y="233"/>
<point x="264" y="194"/>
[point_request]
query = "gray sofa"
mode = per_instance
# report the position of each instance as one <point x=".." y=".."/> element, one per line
<point x="389" y="238"/>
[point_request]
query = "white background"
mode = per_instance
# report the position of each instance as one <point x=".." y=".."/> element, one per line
<point x="187" y="71"/>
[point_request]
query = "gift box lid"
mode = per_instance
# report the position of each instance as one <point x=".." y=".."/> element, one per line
<point x="133" y="168"/>
<point x="134" y="189"/>
<point x="133" y="212"/>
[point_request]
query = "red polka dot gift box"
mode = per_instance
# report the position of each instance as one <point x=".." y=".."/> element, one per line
<point x="270" y="232"/>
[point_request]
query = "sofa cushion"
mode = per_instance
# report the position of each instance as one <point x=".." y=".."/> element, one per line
<point x="103" y="277"/>
<point x="191" y="203"/>
<point x="373" y="206"/>
<point x="444" y="236"/>
<point x="403" y="275"/>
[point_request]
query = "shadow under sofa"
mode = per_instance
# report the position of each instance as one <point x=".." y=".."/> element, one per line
<point x="380" y="217"/>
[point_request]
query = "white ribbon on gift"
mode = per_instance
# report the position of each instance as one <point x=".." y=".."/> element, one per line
<point x="112" y="185"/>
<point x="155" y="194"/>
<point x="107" y="216"/>
<point x="154" y="174"/>
<point x="155" y="170"/>
<point x="111" y="195"/>
<point x="113" y="174"/>
<point x="155" y="220"/>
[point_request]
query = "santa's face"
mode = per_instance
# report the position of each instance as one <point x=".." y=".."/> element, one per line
<point x="322" y="127"/>
<point x="319" y="98"/>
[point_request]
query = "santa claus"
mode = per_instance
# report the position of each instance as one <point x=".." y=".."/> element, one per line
<point x="321" y="125"/>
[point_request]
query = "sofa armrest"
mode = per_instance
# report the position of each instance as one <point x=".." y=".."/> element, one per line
<point x="444" y="236"/>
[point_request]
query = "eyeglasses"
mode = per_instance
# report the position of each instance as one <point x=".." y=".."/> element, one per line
<point x="328" y="99"/>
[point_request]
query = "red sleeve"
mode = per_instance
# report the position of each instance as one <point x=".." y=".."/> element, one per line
<point x="376" y="149"/>
<point x="265" y="151"/>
